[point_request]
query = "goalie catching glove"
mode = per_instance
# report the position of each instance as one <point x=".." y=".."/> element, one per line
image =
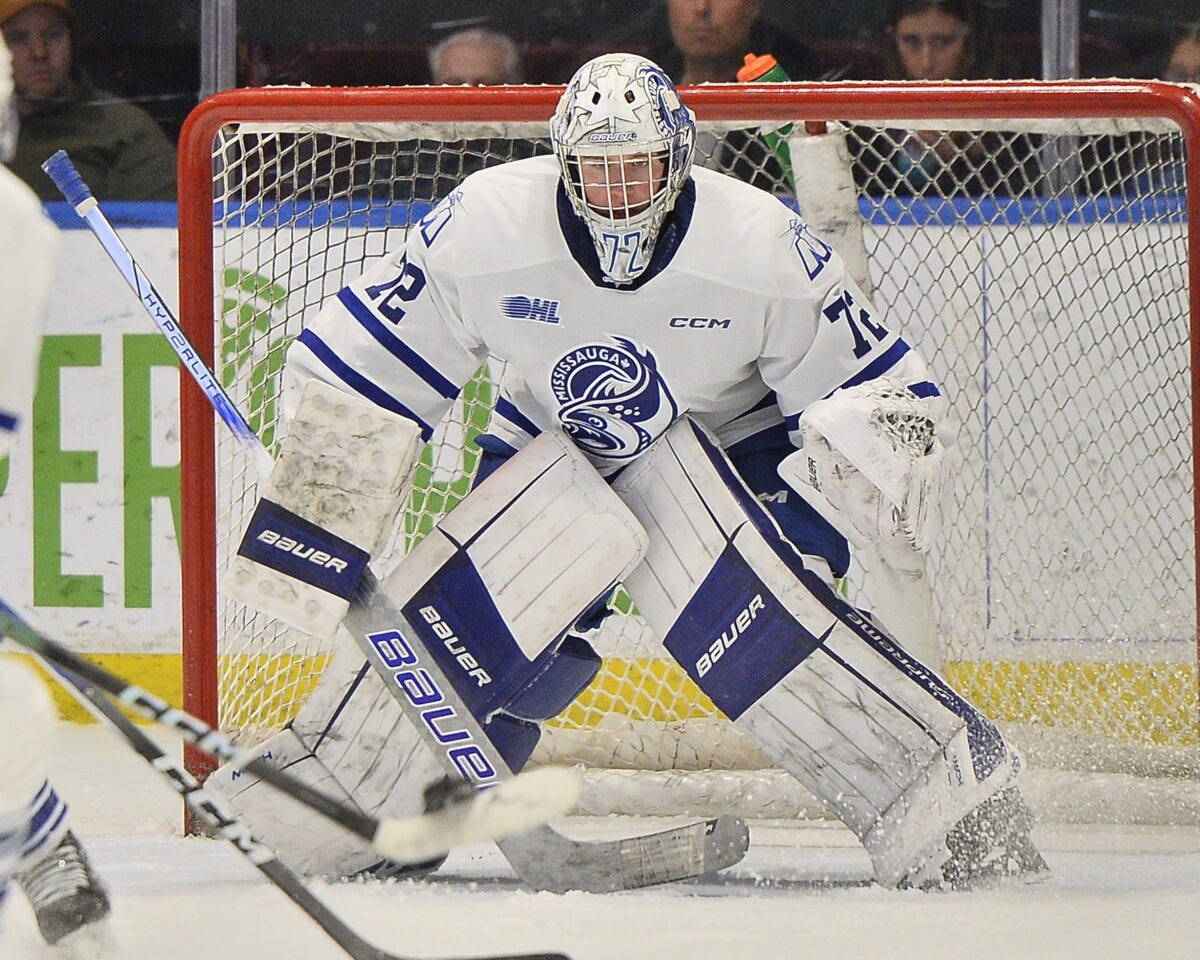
<point x="872" y="464"/>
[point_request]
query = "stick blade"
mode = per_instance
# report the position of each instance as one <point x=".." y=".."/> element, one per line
<point x="514" y="806"/>
<point x="547" y="860"/>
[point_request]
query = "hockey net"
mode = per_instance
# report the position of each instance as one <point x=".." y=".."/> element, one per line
<point x="1038" y="247"/>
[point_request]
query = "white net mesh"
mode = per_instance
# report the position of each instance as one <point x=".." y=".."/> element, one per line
<point x="1043" y="271"/>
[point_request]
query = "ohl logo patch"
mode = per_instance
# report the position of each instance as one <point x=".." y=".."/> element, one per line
<point x="530" y="308"/>
<point x="613" y="402"/>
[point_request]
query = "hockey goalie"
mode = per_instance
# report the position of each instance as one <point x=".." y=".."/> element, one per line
<point x="700" y="404"/>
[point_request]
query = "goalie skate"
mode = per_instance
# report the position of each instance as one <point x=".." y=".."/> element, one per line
<point x="990" y="845"/>
<point x="66" y="895"/>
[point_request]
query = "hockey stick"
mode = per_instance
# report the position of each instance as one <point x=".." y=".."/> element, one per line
<point x="543" y="858"/>
<point x="233" y="830"/>
<point x="514" y="806"/>
<point x="62" y="171"/>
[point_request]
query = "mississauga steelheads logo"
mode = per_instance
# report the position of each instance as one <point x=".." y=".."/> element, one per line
<point x="613" y="402"/>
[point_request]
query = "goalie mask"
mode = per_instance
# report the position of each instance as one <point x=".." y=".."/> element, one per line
<point x="624" y="145"/>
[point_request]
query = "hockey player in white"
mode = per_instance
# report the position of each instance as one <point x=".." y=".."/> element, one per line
<point x="687" y="333"/>
<point x="36" y="844"/>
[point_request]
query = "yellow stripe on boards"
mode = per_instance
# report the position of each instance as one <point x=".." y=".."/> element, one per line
<point x="1130" y="703"/>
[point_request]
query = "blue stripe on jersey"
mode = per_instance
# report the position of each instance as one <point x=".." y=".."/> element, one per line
<point x="394" y="345"/>
<point x="509" y="411"/>
<point x="358" y="383"/>
<point x="8" y="421"/>
<point x="924" y="389"/>
<point x="877" y="367"/>
<point x="363" y="313"/>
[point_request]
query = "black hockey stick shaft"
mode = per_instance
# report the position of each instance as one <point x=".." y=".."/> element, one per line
<point x="519" y="805"/>
<point x="236" y="832"/>
<point x="191" y="728"/>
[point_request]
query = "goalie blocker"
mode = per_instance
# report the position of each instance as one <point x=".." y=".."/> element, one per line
<point x="923" y="779"/>
<point x="329" y="501"/>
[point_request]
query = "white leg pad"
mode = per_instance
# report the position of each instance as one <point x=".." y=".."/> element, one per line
<point x="879" y="737"/>
<point x="330" y="499"/>
<point x="893" y="586"/>
<point x="541" y="539"/>
<point x="350" y="740"/>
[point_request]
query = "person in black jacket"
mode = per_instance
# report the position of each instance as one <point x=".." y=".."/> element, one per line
<point x="119" y="149"/>
<point x="709" y="40"/>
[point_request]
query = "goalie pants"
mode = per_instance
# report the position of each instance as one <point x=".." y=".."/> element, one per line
<point x="756" y="460"/>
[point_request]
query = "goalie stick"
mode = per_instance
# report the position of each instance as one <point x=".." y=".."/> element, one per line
<point x="543" y="858"/>
<point x="234" y="831"/>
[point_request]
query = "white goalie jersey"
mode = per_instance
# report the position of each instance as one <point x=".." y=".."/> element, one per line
<point x="742" y="319"/>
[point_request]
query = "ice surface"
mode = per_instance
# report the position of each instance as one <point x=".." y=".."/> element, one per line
<point x="803" y="892"/>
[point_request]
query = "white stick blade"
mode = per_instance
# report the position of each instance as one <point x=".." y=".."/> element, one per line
<point x="514" y="806"/>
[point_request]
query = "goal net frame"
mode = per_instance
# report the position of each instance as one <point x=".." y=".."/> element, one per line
<point x="904" y="104"/>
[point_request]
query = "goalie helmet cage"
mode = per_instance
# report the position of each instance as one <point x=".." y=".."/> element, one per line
<point x="1049" y="269"/>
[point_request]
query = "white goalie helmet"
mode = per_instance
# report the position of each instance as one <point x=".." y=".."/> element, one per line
<point x="624" y="143"/>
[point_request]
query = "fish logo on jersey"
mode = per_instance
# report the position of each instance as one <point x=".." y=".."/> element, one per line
<point x="613" y="401"/>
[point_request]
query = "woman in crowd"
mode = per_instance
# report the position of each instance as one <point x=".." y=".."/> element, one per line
<point x="940" y="40"/>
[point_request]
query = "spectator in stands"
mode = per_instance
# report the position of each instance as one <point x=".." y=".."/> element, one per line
<point x="709" y="40"/>
<point x="1183" y="60"/>
<point x="477" y="57"/>
<point x="1155" y="164"/>
<point x="119" y="149"/>
<point x="939" y="40"/>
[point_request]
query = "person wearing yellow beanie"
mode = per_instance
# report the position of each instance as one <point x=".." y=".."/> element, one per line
<point x="118" y="148"/>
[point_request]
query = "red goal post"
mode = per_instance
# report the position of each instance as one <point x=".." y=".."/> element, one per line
<point x="1091" y="647"/>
